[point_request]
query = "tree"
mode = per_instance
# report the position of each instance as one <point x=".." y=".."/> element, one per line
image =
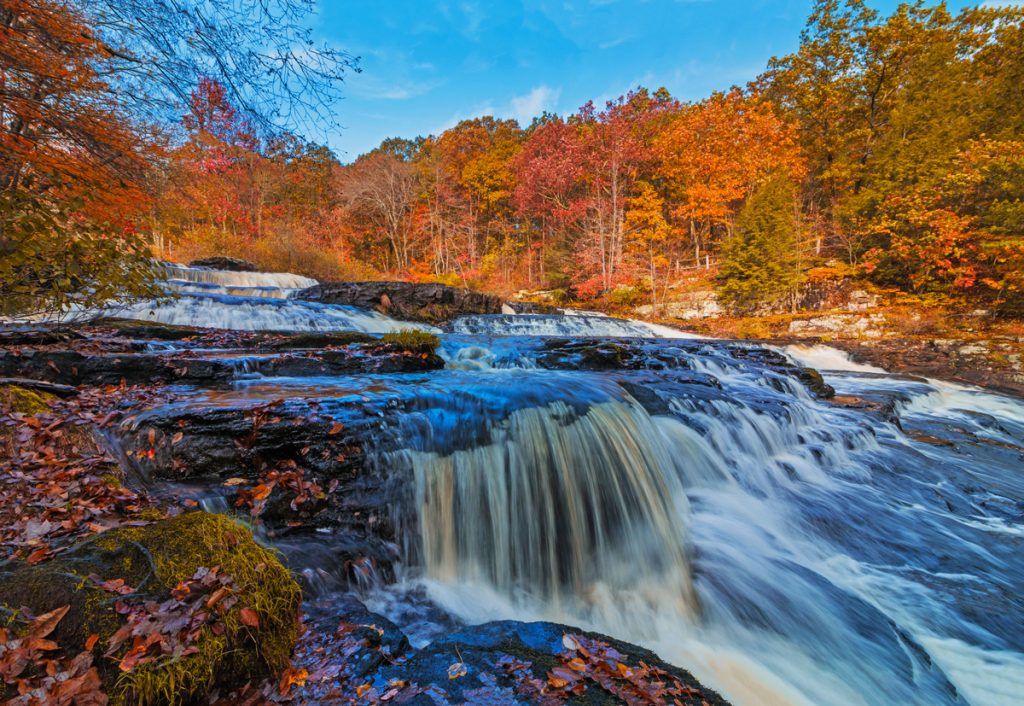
<point x="263" y="53"/>
<point x="761" y="262"/>
<point x="380" y="189"/>
<point x="648" y="235"/>
<point x="71" y="168"/>
<point x="713" y="154"/>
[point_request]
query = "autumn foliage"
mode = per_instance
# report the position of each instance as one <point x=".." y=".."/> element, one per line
<point x="900" y="137"/>
<point x="900" y="134"/>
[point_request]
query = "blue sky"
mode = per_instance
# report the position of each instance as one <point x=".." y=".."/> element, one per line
<point x="427" y="65"/>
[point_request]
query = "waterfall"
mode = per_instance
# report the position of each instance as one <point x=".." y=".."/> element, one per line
<point x="575" y="325"/>
<point x="225" y="280"/>
<point x="260" y="314"/>
<point x="783" y="549"/>
<point x="250" y="301"/>
<point x="560" y="506"/>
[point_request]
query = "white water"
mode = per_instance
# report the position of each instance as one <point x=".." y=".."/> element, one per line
<point x="252" y="301"/>
<point x="827" y="358"/>
<point x="811" y="535"/>
<point x="575" y="325"/>
<point x="254" y="314"/>
<point x="267" y="282"/>
<point x="784" y="550"/>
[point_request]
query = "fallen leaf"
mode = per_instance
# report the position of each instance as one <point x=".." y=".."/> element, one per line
<point x="456" y="670"/>
<point x="249" y="617"/>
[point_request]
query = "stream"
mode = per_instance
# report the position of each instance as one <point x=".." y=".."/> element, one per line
<point x="784" y="548"/>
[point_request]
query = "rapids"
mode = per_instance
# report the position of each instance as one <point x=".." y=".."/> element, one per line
<point x="785" y="549"/>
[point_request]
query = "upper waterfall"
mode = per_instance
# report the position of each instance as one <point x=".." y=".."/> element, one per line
<point x="251" y="301"/>
<point x="226" y="280"/>
<point x="561" y="325"/>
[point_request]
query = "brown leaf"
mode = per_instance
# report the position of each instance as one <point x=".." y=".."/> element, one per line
<point x="45" y="624"/>
<point x="249" y="617"/>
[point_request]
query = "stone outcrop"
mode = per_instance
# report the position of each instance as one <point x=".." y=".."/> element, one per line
<point x="995" y="363"/>
<point x="232" y="264"/>
<point x="409" y="301"/>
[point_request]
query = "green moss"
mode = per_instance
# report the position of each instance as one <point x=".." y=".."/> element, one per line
<point x="154" y="559"/>
<point x="23" y="401"/>
<point x="412" y="340"/>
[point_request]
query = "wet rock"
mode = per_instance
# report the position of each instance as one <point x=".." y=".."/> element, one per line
<point x="410" y="301"/>
<point x="316" y="340"/>
<point x="220" y="262"/>
<point x="74" y="368"/>
<point x="131" y="328"/>
<point x="67" y="367"/>
<point x="996" y="363"/>
<point x="517" y="307"/>
<point x="495" y="663"/>
<point x="45" y="388"/>
<point x="153" y="560"/>
<point x="36" y="335"/>
<point x="210" y="445"/>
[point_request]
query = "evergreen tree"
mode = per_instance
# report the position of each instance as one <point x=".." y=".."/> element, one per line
<point x="761" y="261"/>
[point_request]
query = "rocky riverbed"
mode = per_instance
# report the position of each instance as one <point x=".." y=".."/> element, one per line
<point x="150" y="600"/>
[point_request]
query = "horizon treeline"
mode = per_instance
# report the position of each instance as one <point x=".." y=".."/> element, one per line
<point x="886" y="147"/>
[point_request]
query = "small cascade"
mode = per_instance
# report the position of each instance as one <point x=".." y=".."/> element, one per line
<point x="559" y="505"/>
<point x="253" y="314"/>
<point x="223" y="281"/>
<point x="576" y="325"/>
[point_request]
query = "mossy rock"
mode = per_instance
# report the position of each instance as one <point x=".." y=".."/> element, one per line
<point x="154" y="559"/>
<point x="411" y="341"/>
<point x="24" y="401"/>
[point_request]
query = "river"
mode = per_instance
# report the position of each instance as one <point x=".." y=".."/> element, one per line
<point x="784" y="548"/>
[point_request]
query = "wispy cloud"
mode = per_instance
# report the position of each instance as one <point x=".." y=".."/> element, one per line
<point x="525" y="108"/>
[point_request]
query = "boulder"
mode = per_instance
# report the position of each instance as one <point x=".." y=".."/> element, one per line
<point x="410" y="301"/>
<point x="251" y="638"/>
<point x="220" y="262"/>
<point x="510" y="662"/>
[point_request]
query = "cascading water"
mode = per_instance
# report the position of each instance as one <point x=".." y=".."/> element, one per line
<point x="251" y="301"/>
<point x="272" y="284"/>
<point x="560" y="325"/>
<point x="553" y="501"/>
<point x="833" y="559"/>
<point x="785" y="549"/>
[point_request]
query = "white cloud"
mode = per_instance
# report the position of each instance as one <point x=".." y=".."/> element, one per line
<point x="526" y="108"/>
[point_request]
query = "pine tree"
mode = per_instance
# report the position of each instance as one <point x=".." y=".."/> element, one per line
<point x="761" y="261"/>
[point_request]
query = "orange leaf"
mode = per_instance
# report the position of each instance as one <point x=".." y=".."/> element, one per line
<point x="250" y="618"/>
<point x="290" y="677"/>
<point x="336" y="428"/>
<point x="91" y="641"/>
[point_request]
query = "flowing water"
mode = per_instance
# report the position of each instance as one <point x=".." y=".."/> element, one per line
<point x="785" y="549"/>
<point x="251" y="301"/>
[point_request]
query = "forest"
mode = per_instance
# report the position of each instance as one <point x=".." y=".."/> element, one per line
<point x="885" y="147"/>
